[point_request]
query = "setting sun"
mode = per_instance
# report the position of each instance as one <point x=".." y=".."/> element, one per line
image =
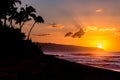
<point x="99" y="46"/>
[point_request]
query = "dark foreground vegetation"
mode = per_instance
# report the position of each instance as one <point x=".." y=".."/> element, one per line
<point x="21" y="59"/>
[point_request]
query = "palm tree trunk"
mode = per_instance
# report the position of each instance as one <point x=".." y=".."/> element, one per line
<point x="21" y="26"/>
<point x="10" y="25"/>
<point x="5" y="21"/>
<point x="30" y="30"/>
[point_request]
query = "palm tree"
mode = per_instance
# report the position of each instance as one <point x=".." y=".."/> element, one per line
<point x="37" y="19"/>
<point x="13" y="13"/>
<point x="6" y="9"/>
<point x="24" y="15"/>
<point x="28" y="12"/>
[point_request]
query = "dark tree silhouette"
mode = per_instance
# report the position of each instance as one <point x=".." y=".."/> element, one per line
<point x="12" y="39"/>
<point x="24" y="15"/>
<point x="6" y="7"/>
<point x="37" y="19"/>
<point x="13" y="13"/>
<point x="9" y="14"/>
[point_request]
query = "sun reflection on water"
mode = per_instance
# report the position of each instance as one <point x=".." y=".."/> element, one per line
<point x="100" y="55"/>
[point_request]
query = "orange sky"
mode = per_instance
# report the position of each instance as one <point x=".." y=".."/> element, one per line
<point x="100" y="19"/>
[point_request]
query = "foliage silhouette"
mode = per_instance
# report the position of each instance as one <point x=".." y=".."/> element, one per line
<point x="12" y="39"/>
<point x="24" y="15"/>
<point x="7" y="6"/>
<point x="38" y="19"/>
<point x="9" y="14"/>
<point x="13" y="13"/>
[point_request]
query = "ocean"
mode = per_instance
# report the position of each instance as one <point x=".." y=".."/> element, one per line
<point x="106" y="60"/>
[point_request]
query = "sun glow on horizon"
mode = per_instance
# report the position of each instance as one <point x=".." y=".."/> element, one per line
<point x="99" y="46"/>
<point x="101" y="43"/>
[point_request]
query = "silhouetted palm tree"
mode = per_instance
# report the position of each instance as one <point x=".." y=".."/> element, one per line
<point x="24" y="15"/>
<point x="5" y="8"/>
<point x="10" y="12"/>
<point x="37" y="19"/>
<point x="13" y="13"/>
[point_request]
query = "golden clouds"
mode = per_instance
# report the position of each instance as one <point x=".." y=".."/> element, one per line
<point x="99" y="10"/>
<point x="107" y="29"/>
<point x="117" y="33"/>
<point x="93" y="28"/>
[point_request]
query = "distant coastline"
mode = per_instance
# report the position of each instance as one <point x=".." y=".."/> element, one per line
<point x="51" y="47"/>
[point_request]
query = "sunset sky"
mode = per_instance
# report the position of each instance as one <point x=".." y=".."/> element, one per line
<point x="99" y="18"/>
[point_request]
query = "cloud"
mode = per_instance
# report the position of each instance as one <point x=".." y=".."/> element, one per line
<point x="58" y="26"/>
<point x="93" y="28"/>
<point x="99" y="10"/>
<point x="68" y="34"/>
<point x="77" y="34"/>
<point x="107" y="29"/>
<point x="117" y="33"/>
<point x="42" y="34"/>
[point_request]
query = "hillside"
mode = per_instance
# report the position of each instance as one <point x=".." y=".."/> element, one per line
<point x="50" y="47"/>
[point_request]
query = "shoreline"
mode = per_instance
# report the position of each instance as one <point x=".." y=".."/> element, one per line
<point x="71" y="70"/>
<point x="76" y="59"/>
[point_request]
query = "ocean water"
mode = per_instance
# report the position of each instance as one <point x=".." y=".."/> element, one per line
<point x="107" y="60"/>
